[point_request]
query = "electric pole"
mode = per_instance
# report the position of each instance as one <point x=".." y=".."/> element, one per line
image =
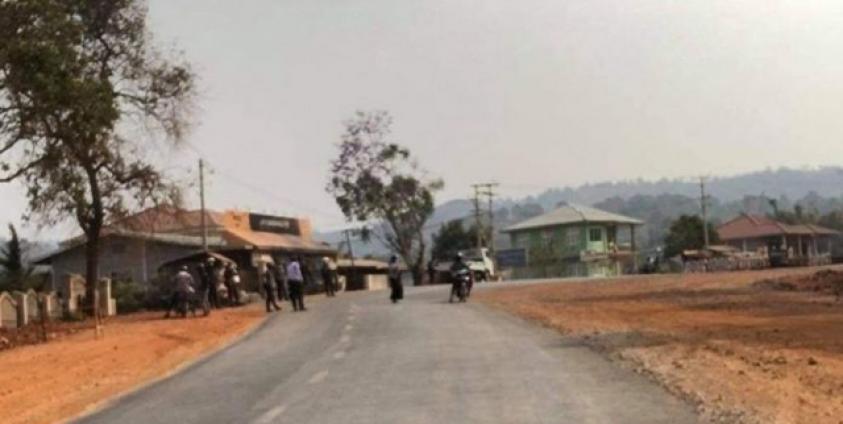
<point x="202" y="205"/>
<point x="485" y="189"/>
<point x="704" y="206"/>
<point x="478" y="226"/>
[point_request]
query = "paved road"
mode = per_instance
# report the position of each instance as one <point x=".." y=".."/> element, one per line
<point x="360" y="359"/>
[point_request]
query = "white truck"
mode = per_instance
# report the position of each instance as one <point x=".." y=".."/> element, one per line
<point x="478" y="260"/>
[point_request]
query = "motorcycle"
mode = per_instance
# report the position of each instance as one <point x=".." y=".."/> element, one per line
<point x="461" y="284"/>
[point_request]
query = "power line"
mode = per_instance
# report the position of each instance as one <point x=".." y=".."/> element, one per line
<point x="255" y="188"/>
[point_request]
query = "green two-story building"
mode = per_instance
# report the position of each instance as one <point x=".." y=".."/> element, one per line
<point x="575" y="240"/>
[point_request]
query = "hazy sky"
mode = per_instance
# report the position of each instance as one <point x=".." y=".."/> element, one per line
<point x="532" y="94"/>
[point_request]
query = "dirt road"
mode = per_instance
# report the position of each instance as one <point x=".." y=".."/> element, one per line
<point x="742" y="352"/>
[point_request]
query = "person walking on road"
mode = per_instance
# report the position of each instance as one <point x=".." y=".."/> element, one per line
<point x="269" y="288"/>
<point x="328" y="278"/>
<point x="296" y="280"/>
<point x="397" y="292"/>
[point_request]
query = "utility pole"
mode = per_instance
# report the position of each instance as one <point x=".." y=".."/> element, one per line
<point x="202" y="205"/>
<point x="485" y="189"/>
<point x="704" y="206"/>
<point x="477" y="224"/>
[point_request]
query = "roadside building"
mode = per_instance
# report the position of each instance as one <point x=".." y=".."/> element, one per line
<point x="574" y="240"/>
<point x="136" y="247"/>
<point x="363" y="274"/>
<point x="784" y="244"/>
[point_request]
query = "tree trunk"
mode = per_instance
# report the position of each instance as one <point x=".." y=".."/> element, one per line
<point x="92" y="248"/>
<point x="417" y="272"/>
<point x="93" y="226"/>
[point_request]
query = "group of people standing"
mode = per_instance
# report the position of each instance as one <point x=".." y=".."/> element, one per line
<point x="219" y="285"/>
<point x="287" y="282"/>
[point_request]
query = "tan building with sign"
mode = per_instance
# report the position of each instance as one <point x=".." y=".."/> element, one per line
<point x="136" y="247"/>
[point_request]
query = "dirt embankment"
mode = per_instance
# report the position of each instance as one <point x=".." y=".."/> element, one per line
<point x="50" y="382"/>
<point x="743" y="351"/>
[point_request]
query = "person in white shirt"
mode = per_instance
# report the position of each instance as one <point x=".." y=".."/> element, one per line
<point x="296" y="281"/>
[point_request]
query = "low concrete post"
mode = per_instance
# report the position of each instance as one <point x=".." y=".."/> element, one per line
<point x="23" y="306"/>
<point x="8" y="311"/>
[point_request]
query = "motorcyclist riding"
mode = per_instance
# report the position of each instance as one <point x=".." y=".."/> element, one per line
<point x="462" y="279"/>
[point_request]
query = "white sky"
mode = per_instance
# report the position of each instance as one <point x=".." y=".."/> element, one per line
<point x="532" y="94"/>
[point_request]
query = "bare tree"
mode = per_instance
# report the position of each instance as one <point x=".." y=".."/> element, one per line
<point x="375" y="179"/>
<point x="75" y="77"/>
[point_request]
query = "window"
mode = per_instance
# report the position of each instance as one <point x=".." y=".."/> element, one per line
<point x="595" y="234"/>
<point x="573" y="236"/>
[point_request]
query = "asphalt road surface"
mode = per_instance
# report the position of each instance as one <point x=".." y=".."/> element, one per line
<point x="358" y="358"/>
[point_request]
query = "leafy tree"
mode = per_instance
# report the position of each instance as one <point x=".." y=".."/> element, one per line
<point x="833" y="220"/>
<point x="15" y="272"/>
<point x="453" y="237"/>
<point x="76" y="77"/>
<point x="376" y="179"/>
<point x="686" y="233"/>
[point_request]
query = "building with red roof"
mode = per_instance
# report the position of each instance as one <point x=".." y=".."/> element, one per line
<point x="789" y="244"/>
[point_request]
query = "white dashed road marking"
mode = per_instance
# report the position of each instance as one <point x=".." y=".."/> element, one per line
<point x="339" y="355"/>
<point x="349" y="327"/>
<point x="345" y="338"/>
<point x="271" y="415"/>
<point x="318" y="377"/>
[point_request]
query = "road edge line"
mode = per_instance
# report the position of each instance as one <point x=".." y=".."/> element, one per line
<point x="183" y="367"/>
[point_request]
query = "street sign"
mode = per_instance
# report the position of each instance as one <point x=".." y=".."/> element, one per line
<point x="274" y="224"/>
<point x="512" y="258"/>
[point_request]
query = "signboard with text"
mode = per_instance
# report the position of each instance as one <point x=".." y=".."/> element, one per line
<point x="511" y="258"/>
<point x="274" y="224"/>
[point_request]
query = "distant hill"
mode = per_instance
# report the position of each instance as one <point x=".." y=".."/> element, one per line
<point x="657" y="202"/>
<point x="783" y="182"/>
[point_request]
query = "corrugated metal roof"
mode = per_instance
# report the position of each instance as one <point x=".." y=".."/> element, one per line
<point x="754" y="226"/>
<point x="264" y="240"/>
<point x="177" y="239"/>
<point x="573" y="214"/>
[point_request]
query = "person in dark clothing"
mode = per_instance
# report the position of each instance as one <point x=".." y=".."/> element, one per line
<point x="280" y="272"/>
<point x="458" y="269"/>
<point x="295" y="278"/>
<point x="397" y="289"/>
<point x="204" y="288"/>
<point x="328" y="278"/>
<point x="431" y="272"/>
<point x="213" y="284"/>
<point x="269" y="289"/>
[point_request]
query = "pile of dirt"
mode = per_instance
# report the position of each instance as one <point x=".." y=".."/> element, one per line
<point x="829" y="281"/>
<point x="744" y="347"/>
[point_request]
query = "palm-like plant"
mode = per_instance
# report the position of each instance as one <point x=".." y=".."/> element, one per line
<point x="15" y="272"/>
